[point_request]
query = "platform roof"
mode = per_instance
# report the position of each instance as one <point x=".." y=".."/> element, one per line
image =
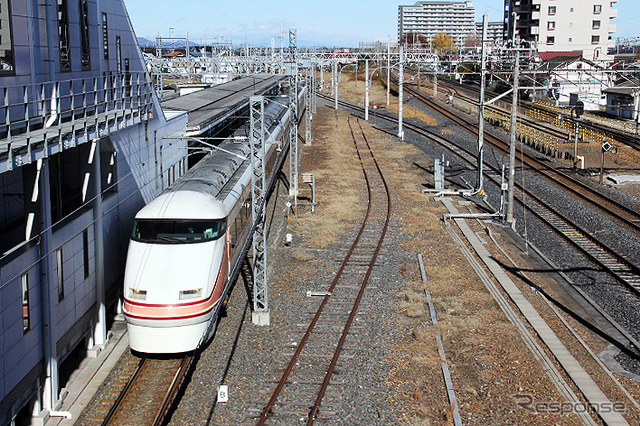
<point x="207" y="107"/>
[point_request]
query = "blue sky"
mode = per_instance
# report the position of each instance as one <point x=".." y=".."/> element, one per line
<point x="319" y="23"/>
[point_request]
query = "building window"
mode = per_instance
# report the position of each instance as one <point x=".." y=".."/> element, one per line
<point x="551" y="25"/>
<point x="6" y="39"/>
<point x="84" y="35"/>
<point x="596" y="25"/>
<point x="60" y="274"/>
<point x="63" y="36"/>
<point x="551" y="40"/>
<point x="26" y="317"/>
<point x="66" y="175"/>
<point x="119" y="55"/>
<point x="570" y="39"/>
<point x="552" y="10"/>
<point x="597" y="9"/>
<point x="105" y="36"/>
<point x="85" y="252"/>
<point x="595" y="39"/>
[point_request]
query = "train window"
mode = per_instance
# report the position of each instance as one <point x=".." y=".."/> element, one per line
<point x="176" y="231"/>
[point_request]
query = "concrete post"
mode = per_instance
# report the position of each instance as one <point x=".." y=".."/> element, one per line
<point x="512" y="146"/>
<point x="51" y="382"/>
<point x="100" y="331"/>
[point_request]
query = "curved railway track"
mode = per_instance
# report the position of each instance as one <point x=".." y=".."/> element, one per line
<point x="148" y="396"/>
<point x="608" y="205"/>
<point x="302" y="387"/>
<point x="621" y="137"/>
<point x="617" y="265"/>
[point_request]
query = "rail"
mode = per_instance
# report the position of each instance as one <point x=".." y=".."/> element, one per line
<point x="369" y="228"/>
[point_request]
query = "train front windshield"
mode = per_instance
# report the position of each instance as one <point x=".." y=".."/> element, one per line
<point x="175" y="231"/>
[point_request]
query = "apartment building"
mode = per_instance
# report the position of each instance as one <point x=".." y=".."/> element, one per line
<point x="495" y="31"/>
<point x="564" y="25"/>
<point x="428" y="18"/>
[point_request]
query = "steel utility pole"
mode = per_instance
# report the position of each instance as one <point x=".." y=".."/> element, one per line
<point x="388" y="66"/>
<point x="293" y="131"/>
<point x="366" y="90"/>
<point x="335" y="79"/>
<point x="512" y="139"/>
<point x="400" y="83"/>
<point x="260" y="314"/>
<point x="483" y="73"/>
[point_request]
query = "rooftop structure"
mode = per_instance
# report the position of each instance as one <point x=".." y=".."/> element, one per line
<point x="577" y="25"/>
<point x="428" y="18"/>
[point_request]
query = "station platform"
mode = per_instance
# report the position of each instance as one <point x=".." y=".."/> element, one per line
<point x="208" y="108"/>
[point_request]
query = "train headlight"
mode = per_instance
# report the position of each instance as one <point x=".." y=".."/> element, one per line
<point x="190" y="294"/>
<point x="137" y="294"/>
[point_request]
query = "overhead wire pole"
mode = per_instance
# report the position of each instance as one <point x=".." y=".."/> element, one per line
<point x="512" y="138"/>
<point x="483" y="74"/>
<point x="388" y="67"/>
<point x="313" y="87"/>
<point x="308" y="108"/>
<point x="260" y="314"/>
<point x="335" y="82"/>
<point x="366" y="90"/>
<point x="400" y="91"/>
<point x="293" y="130"/>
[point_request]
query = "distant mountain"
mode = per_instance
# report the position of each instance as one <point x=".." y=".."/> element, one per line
<point x="143" y="42"/>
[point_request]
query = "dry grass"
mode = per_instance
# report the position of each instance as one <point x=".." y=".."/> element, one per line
<point x="338" y="182"/>
<point x="487" y="357"/>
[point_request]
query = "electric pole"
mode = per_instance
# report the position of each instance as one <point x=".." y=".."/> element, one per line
<point x="512" y="139"/>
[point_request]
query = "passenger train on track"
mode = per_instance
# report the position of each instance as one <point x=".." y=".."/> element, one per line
<point x="186" y="242"/>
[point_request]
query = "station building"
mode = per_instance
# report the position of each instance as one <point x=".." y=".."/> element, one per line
<point x="84" y="144"/>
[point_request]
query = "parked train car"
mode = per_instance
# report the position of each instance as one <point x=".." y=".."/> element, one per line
<point x="185" y="243"/>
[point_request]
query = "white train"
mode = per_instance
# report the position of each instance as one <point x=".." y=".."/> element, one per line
<point x="186" y="242"/>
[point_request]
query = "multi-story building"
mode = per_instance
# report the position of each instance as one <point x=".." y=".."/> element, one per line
<point x="495" y="31"/>
<point x="82" y="149"/>
<point x="567" y="25"/>
<point x="428" y="18"/>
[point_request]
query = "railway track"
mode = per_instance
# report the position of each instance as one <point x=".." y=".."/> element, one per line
<point x="148" y="396"/>
<point x="304" y="384"/>
<point x="608" y="205"/>
<point x="617" y="265"/>
<point x="618" y="136"/>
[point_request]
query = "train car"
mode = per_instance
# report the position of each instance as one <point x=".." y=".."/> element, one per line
<point x="185" y="242"/>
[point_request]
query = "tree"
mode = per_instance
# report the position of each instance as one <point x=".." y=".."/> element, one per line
<point x="411" y="39"/>
<point x="442" y="43"/>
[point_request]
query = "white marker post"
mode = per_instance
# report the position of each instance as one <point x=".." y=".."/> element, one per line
<point x="223" y="393"/>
